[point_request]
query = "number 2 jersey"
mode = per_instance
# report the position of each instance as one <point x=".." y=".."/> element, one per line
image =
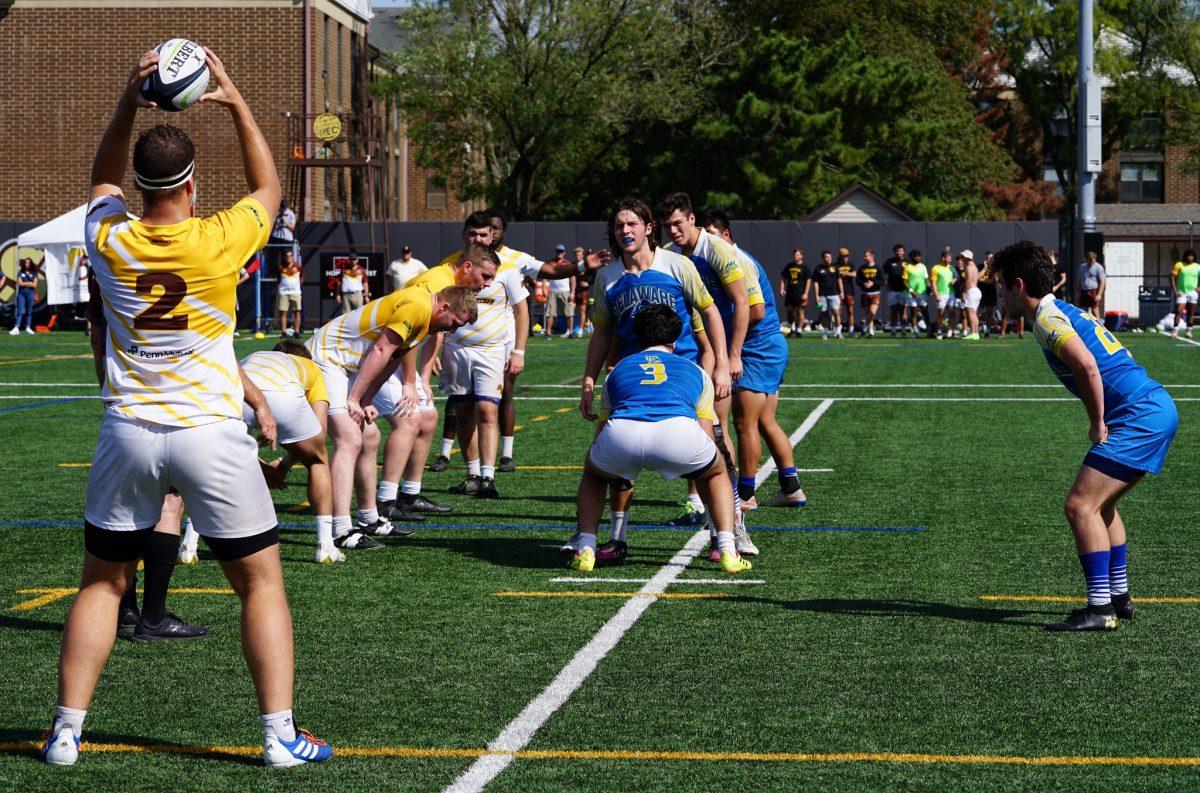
<point x="655" y="385"/>
<point x="168" y="294"/>
<point x="1057" y="322"/>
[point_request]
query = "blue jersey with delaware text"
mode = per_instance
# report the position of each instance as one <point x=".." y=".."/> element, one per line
<point x="619" y="294"/>
<point x="1124" y="380"/>
<point x="654" y="385"/>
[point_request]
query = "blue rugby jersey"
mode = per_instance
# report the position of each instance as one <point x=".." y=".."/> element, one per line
<point x="718" y="264"/>
<point x="655" y="385"/>
<point x="671" y="280"/>
<point x="768" y="326"/>
<point x="1057" y="321"/>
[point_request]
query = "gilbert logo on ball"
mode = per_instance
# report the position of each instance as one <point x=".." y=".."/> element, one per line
<point x="181" y="76"/>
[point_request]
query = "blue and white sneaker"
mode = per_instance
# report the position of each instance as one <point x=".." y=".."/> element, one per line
<point x="307" y="748"/>
<point x="61" y="748"/>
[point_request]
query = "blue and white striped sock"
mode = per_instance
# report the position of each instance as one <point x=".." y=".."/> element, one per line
<point x="1095" y="573"/>
<point x="1118" y="579"/>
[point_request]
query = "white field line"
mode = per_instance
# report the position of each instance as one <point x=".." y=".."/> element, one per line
<point x="781" y="399"/>
<point x="769" y="466"/>
<point x="853" y="385"/>
<point x="92" y="384"/>
<point x="677" y="582"/>
<point x="520" y="731"/>
<point x="1187" y="340"/>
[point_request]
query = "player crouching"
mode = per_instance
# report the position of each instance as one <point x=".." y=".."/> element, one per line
<point x="1133" y="421"/>
<point x="658" y="411"/>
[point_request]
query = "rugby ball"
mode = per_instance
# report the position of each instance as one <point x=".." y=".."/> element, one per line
<point x="181" y="76"/>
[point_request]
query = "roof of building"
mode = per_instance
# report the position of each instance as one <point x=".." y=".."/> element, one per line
<point x="858" y="204"/>
<point x="360" y="8"/>
<point x="384" y="34"/>
<point x="1147" y="220"/>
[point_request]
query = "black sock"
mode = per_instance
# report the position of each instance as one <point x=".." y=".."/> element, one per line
<point x="129" y="599"/>
<point x="159" y="555"/>
<point x="789" y="484"/>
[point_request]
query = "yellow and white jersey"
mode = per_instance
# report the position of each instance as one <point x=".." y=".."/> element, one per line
<point x="435" y="279"/>
<point x="279" y="371"/>
<point x="169" y="295"/>
<point x="345" y="340"/>
<point x="526" y="265"/>
<point x="494" y="326"/>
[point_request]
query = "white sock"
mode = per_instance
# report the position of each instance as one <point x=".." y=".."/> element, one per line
<point x="487" y="471"/>
<point x="191" y="539"/>
<point x="725" y="542"/>
<point x="506" y="445"/>
<point x="65" y="717"/>
<point x="694" y="500"/>
<point x="472" y="468"/>
<point x="341" y="525"/>
<point x="279" y="725"/>
<point x="410" y="488"/>
<point x="447" y="446"/>
<point x="617" y="526"/>
<point x="325" y="530"/>
<point x="587" y="541"/>
<point x="368" y="516"/>
<point x="386" y="491"/>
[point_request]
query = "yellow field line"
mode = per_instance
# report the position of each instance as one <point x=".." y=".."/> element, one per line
<point x="298" y="508"/>
<point x="1072" y="599"/>
<point x="539" y="418"/>
<point x="74" y="465"/>
<point x="564" y="410"/>
<point x="551" y="468"/>
<point x="43" y="358"/>
<point x="669" y="756"/>
<point x="48" y="595"/>
<point x="569" y="594"/>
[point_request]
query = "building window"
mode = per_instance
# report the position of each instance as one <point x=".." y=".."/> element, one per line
<point x="435" y="194"/>
<point x="1141" y="182"/>
<point x="325" y="64"/>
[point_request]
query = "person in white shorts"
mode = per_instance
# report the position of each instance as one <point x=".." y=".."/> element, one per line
<point x="972" y="294"/>
<point x="289" y="294"/>
<point x="657" y="414"/>
<point x="172" y="394"/>
<point x="357" y="353"/>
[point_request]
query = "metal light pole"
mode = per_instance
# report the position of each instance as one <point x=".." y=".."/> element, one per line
<point x="1089" y="160"/>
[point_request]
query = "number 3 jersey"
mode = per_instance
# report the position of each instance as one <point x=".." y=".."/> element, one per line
<point x="654" y="385"/>
<point x="1057" y="322"/>
<point x="169" y="295"/>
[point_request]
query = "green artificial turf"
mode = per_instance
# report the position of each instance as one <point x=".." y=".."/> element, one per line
<point x="861" y="640"/>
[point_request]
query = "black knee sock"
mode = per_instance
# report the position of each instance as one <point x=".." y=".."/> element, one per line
<point x="450" y="424"/>
<point x="129" y="599"/>
<point x="160" y="553"/>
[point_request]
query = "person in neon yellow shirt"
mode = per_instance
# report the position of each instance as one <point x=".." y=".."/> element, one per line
<point x="943" y="276"/>
<point x="916" y="281"/>
<point x="1184" y="278"/>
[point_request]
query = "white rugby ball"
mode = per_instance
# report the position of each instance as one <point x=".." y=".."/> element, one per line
<point x="181" y="76"/>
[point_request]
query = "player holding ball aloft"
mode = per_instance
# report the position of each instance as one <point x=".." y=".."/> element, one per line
<point x="1133" y="421"/>
<point x="173" y="402"/>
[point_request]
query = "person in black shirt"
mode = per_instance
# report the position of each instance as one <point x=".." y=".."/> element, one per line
<point x="827" y="283"/>
<point x="846" y="271"/>
<point x="793" y="288"/>
<point x="893" y="274"/>
<point x="869" y="280"/>
<point x="1060" y="276"/>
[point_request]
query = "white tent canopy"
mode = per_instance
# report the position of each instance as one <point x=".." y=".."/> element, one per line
<point x="62" y="241"/>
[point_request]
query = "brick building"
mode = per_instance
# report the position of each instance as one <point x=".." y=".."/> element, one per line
<point x="297" y="57"/>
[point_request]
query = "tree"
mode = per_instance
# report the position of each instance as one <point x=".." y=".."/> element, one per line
<point x="518" y="102"/>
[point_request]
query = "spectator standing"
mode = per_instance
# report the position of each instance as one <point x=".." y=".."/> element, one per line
<point x="27" y="278"/>
<point x="972" y="294"/>
<point x="869" y="280"/>
<point x="1060" y="276"/>
<point x="942" y="278"/>
<point x="289" y="294"/>
<point x="355" y="291"/>
<point x="560" y="301"/>
<point x="893" y="274"/>
<point x="583" y="290"/>
<point x="916" y="280"/>
<point x="404" y="269"/>
<point x="987" y="296"/>
<point x="1184" y="278"/>
<point x="793" y="288"/>
<point x="827" y="284"/>
<point x="1092" y="281"/>
<point x="283" y="235"/>
<point x="846" y="271"/>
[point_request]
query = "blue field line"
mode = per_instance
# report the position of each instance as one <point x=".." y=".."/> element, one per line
<point x="556" y="527"/>
<point x="45" y="404"/>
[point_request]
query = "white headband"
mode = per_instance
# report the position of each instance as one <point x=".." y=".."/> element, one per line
<point x="166" y="182"/>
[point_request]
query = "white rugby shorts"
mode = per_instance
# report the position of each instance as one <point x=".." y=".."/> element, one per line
<point x="387" y="399"/>
<point x="338" y="383"/>
<point x="972" y="297"/>
<point x="294" y="417"/>
<point x="1188" y="298"/>
<point x="914" y="301"/>
<point x="473" y="370"/>
<point x="672" y="447"/>
<point x="213" y="466"/>
<point x="942" y="302"/>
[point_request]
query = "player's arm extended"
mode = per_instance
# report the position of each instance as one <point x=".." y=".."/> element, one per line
<point x="741" y="321"/>
<point x="377" y="365"/>
<point x="262" y="413"/>
<point x="516" y="361"/>
<point x="112" y="155"/>
<point x="1079" y="360"/>
<point x="597" y="353"/>
<point x="716" y="336"/>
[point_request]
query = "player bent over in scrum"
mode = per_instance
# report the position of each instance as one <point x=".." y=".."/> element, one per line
<point x="1133" y="421"/>
<point x="658" y="414"/>
<point x="173" y="407"/>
